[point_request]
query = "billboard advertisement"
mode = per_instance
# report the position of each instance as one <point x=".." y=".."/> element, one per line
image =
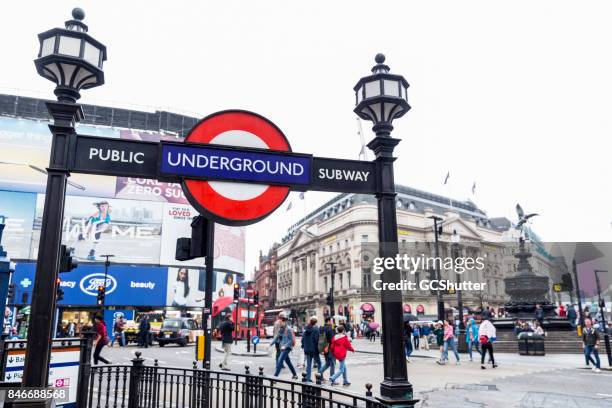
<point x="229" y="241"/>
<point x="126" y="285"/>
<point x="129" y="230"/>
<point x="186" y="287"/>
<point x="143" y="189"/>
<point x="18" y="210"/>
<point x="25" y="146"/>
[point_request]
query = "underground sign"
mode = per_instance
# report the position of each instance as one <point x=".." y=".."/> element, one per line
<point x="236" y="202"/>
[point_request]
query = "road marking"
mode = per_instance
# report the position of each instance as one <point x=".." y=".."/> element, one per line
<point x="604" y="395"/>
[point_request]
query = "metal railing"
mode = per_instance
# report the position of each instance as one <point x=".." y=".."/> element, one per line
<point x="137" y="385"/>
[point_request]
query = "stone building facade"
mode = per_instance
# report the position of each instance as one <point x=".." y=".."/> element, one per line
<point x="336" y="231"/>
<point x="265" y="278"/>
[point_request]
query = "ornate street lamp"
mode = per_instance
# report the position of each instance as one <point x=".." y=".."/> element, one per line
<point x="381" y="98"/>
<point x="73" y="60"/>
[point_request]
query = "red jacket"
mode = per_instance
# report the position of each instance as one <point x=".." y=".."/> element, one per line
<point x="340" y="345"/>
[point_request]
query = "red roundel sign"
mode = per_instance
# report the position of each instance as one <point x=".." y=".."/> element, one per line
<point x="234" y="203"/>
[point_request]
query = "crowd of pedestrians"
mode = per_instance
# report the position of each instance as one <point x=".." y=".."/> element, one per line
<point x="331" y="343"/>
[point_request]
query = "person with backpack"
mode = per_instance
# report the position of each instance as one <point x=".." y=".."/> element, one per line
<point x="340" y="345"/>
<point x="310" y="345"/>
<point x="590" y="338"/>
<point x="471" y="337"/>
<point x="326" y="334"/>
<point x="286" y="337"/>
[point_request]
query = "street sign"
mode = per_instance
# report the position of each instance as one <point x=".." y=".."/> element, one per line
<point x="115" y="157"/>
<point x="233" y="203"/>
<point x="209" y="162"/>
<point x="557" y="287"/>
<point x="349" y="176"/>
<point x="255" y="340"/>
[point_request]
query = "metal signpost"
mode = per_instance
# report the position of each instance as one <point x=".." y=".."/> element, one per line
<point x="236" y="167"/>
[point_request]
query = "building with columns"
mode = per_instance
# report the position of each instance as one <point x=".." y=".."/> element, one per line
<point x="336" y="231"/>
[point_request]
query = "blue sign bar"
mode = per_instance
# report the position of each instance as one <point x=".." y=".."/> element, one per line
<point x="233" y="164"/>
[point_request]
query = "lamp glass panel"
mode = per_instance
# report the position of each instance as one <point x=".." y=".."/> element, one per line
<point x="359" y="93"/>
<point x="405" y="92"/>
<point x="391" y="87"/>
<point x="372" y="89"/>
<point x="91" y="54"/>
<point x="390" y="111"/>
<point x="47" y="46"/>
<point x="69" y="46"/>
<point x="376" y="107"/>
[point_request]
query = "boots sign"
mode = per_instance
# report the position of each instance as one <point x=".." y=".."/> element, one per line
<point x="236" y="167"/>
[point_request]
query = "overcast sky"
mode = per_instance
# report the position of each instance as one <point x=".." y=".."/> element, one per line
<point x="514" y="96"/>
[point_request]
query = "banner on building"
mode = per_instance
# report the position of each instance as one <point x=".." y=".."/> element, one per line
<point x="18" y="210"/>
<point x="25" y="146"/>
<point x="129" y="230"/>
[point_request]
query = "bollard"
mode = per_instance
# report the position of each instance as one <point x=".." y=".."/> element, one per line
<point x="135" y="375"/>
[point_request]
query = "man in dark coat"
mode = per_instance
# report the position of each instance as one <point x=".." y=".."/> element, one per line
<point x="310" y="344"/>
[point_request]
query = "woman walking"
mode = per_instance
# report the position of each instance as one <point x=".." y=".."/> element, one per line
<point x="471" y="337"/>
<point x="339" y="346"/>
<point x="439" y="333"/>
<point x="487" y="335"/>
<point x="286" y="340"/>
<point x="449" y="340"/>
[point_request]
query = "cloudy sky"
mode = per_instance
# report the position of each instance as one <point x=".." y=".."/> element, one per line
<point x="514" y="96"/>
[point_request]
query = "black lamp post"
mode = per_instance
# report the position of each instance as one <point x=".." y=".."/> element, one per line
<point x="330" y="299"/>
<point x="602" y="310"/>
<point x="106" y="266"/>
<point x="73" y="61"/>
<point x="439" y="299"/>
<point x="381" y="98"/>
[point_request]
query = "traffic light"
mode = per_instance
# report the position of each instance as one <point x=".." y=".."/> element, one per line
<point x="183" y="247"/>
<point x="329" y="298"/>
<point x="67" y="262"/>
<point x="101" y="293"/>
<point x="59" y="291"/>
<point x="10" y="296"/>
<point x="236" y="292"/>
<point x="566" y="282"/>
<point x="194" y="247"/>
<point x="256" y="297"/>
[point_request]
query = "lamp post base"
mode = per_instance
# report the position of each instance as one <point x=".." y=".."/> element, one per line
<point x="397" y="394"/>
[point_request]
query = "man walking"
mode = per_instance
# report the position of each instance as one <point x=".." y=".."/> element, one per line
<point x="310" y="344"/>
<point x="144" y="329"/>
<point x="590" y="338"/>
<point x="101" y="340"/>
<point x="325" y="339"/>
<point x="227" y="329"/>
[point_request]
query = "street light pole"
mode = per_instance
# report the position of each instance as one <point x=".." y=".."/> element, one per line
<point x="577" y="286"/>
<point x="331" y="289"/>
<point x="61" y="52"/>
<point x="381" y="98"/>
<point x="602" y="306"/>
<point x="106" y="266"/>
<point x="440" y="300"/>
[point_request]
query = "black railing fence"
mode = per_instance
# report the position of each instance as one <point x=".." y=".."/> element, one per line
<point x="141" y="386"/>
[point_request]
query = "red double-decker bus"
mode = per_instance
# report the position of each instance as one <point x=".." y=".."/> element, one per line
<point x="245" y="314"/>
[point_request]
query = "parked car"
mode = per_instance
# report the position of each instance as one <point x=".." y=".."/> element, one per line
<point x="176" y="330"/>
